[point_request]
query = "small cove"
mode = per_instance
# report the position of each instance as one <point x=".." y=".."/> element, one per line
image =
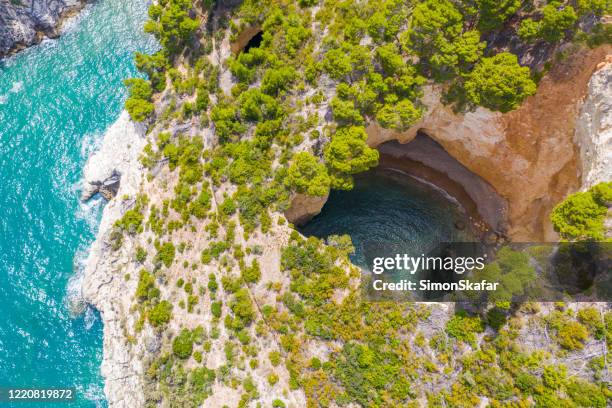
<point x="390" y="209"/>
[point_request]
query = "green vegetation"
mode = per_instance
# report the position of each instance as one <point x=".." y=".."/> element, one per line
<point x="307" y="176"/>
<point x="225" y="164"/>
<point x="464" y="327"/>
<point x="581" y="215"/>
<point x="160" y="314"/>
<point x="182" y="345"/>
<point x="349" y="154"/>
<point x="171" y="24"/>
<point x="556" y="20"/>
<point x="138" y="103"/>
<point x="166" y="253"/>
<point x="499" y="83"/>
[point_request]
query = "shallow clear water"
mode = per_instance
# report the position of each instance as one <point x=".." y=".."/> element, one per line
<point x="56" y="100"/>
<point x="390" y="212"/>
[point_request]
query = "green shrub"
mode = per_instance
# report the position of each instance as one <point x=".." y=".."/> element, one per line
<point x="182" y="345"/>
<point x="138" y="103"/>
<point x="499" y="83"/>
<point x="349" y="154"/>
<point x="464" y="327"/>
<point x="272" y="379"/>
<point x="592" y="319"/>
<point x="572" y="335"/>
<point x="166" y="254"/>
<point x="307" y="176"/>
<point x="581" y="216"/>
<point x="141" y="254"/>
<point x="146" y="289"/>
<point x="160" y="314"/>
<point x="252" y="274"/>
<point x="554" y="376"/>
<point x="212" y="283"/>
<point x="216" y="309"/>
<point x="275" y="358"/>
<point x="243" y="307"/>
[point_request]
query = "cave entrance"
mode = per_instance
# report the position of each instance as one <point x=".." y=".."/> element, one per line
<point x="415" y="201"/>
<point x="254" y="42"/>
<point x="391" y="211"/>
<point x="427" y="160"/>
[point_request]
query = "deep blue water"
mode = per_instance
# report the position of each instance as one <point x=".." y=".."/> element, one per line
<point x="56" y="100"/>
<point x="388" y="212"/>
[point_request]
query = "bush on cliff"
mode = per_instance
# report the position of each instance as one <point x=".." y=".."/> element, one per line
<point x="499" y="83"/>
<point x="581" y="215"/>
<point x="160" y="314"/>
<point x="307" y="176"/>
<point x="347" y="154"/>
<point x="182" y="345"/>
<point x="139" y="104"/>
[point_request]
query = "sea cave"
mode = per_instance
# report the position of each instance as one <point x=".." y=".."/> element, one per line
<point x="417" y="198"/>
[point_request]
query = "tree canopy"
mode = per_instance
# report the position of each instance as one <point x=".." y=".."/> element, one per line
<point x="499" y="83"/>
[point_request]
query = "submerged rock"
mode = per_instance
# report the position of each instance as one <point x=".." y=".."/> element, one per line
<point x="26" y="22"/>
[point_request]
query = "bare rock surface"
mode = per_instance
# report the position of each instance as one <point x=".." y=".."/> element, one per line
<point x="594" y="128"/>
<point x="104" y="285"/>
<point x="26" y="22"/>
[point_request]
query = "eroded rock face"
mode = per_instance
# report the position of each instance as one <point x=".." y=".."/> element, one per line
<point x="594" y="128"/>
<point x="303" y="207"/>
<point x="103" y="283"/>
<point x="26" y="22"/>
<point x="113" y="162"/>
<point x="528" y="155"/>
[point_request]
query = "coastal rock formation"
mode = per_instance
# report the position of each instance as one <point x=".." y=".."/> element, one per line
<point x="303" y="207"/>
<point x="103" y="281"/>
<point x="112" y="165"/>
<point x="26" y="22"/>
<point x="528" y="155"/>
<point x="594" y="128"/>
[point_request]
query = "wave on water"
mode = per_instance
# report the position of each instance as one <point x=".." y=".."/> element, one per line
<point x="432" y="186"/>
<point x="74" y="300"/>
<point x="91" y="144"/>
<point x="17" y="87"/>
<point x="93" y="393"/>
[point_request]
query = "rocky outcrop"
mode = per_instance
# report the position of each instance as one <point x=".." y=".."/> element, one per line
<point x="528" y="155"/>
<point x="303" y="207"/>
<point x="594" y="128"/>
<point x="103" y="281"/>
<point x="26" y="22"/>
<point x="112" y="165"/>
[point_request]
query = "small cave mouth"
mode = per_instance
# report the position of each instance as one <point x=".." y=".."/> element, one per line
<point x="413" y="202"/>
<point x="254" y="42"/>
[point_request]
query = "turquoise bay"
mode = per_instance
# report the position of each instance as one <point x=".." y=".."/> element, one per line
<point x="56" y="101"/>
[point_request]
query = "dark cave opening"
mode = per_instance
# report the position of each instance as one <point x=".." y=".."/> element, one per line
<point x="254" y="42"/>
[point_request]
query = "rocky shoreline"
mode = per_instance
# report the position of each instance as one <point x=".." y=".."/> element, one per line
<point x="116" y="164"/>
<point x="25" y="23"/>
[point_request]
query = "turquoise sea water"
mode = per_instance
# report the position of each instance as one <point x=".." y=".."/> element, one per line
<point x="56" y="100"/>
<point x="388" y="211"/>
